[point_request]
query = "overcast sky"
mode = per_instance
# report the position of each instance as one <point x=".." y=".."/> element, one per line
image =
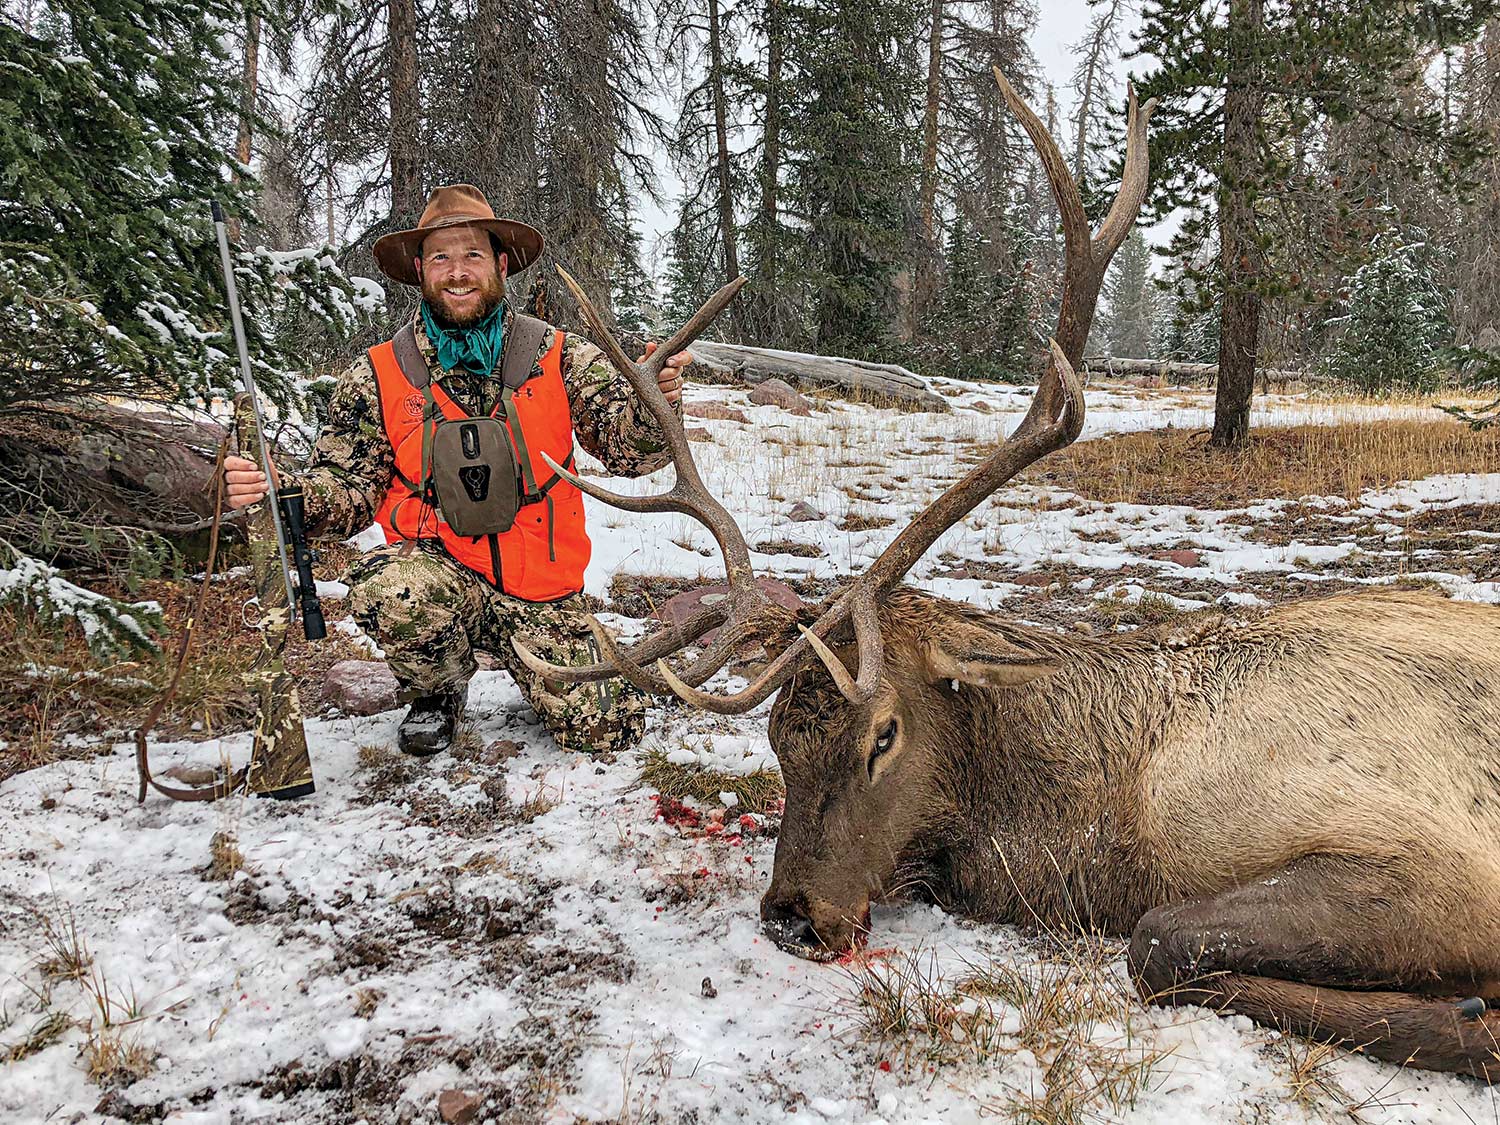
<point x="1060" y="23"/>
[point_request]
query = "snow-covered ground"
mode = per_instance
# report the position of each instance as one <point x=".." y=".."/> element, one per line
<point x="517" y="929"/>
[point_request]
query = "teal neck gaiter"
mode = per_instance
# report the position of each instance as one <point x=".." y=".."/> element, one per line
<point x="476" y="348"/>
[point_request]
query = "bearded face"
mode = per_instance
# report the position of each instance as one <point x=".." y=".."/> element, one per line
<point x="463" y="279"/>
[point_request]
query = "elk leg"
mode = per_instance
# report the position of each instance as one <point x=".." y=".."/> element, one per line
<point x="1336" y="950"/>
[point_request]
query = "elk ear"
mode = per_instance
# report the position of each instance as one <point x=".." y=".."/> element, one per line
<point x="992" y="665"/>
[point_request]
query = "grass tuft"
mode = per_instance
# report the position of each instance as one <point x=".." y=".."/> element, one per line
<point x="67" y="956"/>
<point x="225" y="858"/>
<point x="42" y="1035"/>
<point x="757" y="791"/>
<point x="1151" y="609"/>
<point x="539" y="803"/>
<point x="1070" y="1009"/>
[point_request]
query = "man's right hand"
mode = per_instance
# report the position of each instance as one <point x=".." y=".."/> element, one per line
<point x="244" y="483"/>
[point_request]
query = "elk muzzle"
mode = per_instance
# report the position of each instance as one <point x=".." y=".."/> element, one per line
<point x="813" y="928"/>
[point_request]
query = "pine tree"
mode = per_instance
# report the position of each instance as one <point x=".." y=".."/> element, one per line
<point x="690" y="263"/>
<point x="1127" y="324"/>
<point x="1241" y="84"/>
<point x="855" y="173"/>
<point x="119" y="132"/>
<point x="1392" y="332"/>
<point x="702" y="39"/>
<point x="777" y="299"/>
<point x="634" y="294"/>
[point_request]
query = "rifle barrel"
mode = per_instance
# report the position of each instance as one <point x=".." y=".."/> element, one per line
<point x="272" y="500"/>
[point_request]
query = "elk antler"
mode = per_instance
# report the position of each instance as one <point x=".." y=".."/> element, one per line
<point x="743" y="611"/>
<point x="1054" y="420"/>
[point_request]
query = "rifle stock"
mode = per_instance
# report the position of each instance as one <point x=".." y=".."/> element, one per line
<point x="279" y="763"/>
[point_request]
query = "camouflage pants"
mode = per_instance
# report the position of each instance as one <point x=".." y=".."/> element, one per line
<point x="429" y="614"/>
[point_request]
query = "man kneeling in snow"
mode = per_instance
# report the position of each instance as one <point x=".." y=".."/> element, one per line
<point x="433" y="595"/>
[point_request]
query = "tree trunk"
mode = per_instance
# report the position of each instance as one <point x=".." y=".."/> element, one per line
<point x="405" y="120"/>
<point x="764" y="298"/>
<point x="328" y="205"/>
<point x="727" y="234"/>
<point x="927" y="265"/>
<point x="249" y="89"/>
<point x="1239" y="326"/>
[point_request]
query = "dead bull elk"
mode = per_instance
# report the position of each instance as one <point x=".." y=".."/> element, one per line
<point x="1294" y="813"/>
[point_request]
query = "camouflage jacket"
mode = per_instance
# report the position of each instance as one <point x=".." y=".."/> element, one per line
<point x="352" y="464"/>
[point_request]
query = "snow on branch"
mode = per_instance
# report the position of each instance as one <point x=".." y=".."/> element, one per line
<point x="110" y="628"/>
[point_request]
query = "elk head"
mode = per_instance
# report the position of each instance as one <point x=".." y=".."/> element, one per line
<point x="869" y="719"/>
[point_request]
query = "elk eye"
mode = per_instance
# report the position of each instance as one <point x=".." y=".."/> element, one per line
<point x="883" y="742"/>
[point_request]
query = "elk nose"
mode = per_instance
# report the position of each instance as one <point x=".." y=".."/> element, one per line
<point x="785" y="922"/>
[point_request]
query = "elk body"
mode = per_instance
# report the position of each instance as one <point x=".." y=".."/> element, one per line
<point x="1294" y="814"/>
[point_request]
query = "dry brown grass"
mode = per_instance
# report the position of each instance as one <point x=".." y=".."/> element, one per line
<point x="225" y="859"/>
<point x="757" y="791"/>
<point x="115" y="1057"/>
<point x="42" y="1034"/>
<point x="1177" y="467"/>
<point x="539" y="802"/>
<point x="67" y="955"/>
<point x="1150" y="609"/>
<point x="57" y="688"/>
<point x="1069" y="1009"/>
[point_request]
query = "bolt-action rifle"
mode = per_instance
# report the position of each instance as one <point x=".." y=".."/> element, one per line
<point x="279" y="762"/>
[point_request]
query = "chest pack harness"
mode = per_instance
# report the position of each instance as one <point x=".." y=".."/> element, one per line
<point x="470" y="471"/>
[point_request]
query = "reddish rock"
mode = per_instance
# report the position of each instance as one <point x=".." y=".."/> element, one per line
<point x="776" y="392"/>
<point x="1033" y="578"/>
<point x="715" y="410"/>
<point x="1181" y="558"/>
<point x="680" y="607"/>
<point x="360" y="687"/>
<point x="498" y="751"/>
<point x="459" y="1107"/>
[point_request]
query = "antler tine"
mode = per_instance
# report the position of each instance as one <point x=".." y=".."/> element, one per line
<point x="812" y="642"/>
<point x="1075" y="219"/>
<point x="688" y="496"/>
<point x="660" y="644"/>
<point x="688" y="493"/>
<point x="1057" y="411"/>
<point x="1054" y="420"/>
<point x="1133" y="183"/>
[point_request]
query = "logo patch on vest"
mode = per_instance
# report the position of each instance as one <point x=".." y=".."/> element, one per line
<point x="413" y="404"/>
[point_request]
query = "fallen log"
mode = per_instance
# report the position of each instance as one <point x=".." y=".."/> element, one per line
<point x="92" y="484"/>
<point x="868" y="381"/>
<point x="1174" y="371"/>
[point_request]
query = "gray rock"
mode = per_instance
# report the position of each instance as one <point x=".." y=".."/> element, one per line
<point x="775" y="392"/>
<point x="360" y="687"/>
<point x="803" y="512"/>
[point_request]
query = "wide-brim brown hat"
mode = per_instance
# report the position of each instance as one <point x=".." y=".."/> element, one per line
<point x="456" y="205"/>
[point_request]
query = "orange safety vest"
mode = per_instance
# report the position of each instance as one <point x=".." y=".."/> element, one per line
<point x="543" y="556"/>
